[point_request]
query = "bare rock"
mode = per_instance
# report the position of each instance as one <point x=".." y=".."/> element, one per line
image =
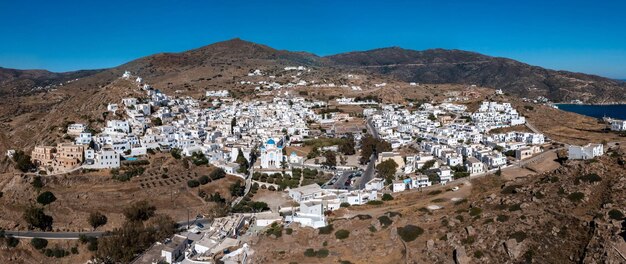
<point x="460" y="257"/>
<point x="513" y="249"/>
<point x="430" y="245"/>
<point x="470" y="231"/>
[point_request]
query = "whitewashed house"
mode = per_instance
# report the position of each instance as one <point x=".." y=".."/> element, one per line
<point x="588" y="151"/>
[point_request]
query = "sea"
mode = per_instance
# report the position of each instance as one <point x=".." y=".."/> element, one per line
<point x="617" y="111"/>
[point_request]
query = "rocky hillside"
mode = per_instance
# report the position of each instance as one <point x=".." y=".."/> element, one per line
<point x="457" y="66"/>
<point x="574" y="214"/>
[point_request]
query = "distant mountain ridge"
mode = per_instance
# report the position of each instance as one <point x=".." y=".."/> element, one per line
<point x="229" y="58"/>
<point x="456" y="66"/>
<point x="24" y="81"/>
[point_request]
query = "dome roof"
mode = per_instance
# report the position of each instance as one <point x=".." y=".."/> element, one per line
<point x="270" y="142"/>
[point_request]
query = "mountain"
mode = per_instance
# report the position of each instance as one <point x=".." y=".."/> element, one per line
<point x="217" y="65"/>
<point x="463" y="67"/>
<point x="21" y="82"/>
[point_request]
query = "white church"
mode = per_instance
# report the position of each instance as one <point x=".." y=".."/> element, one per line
<point x="272" y="154"/>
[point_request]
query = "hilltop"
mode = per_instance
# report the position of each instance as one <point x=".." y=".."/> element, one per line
<point x="214" y="66"/>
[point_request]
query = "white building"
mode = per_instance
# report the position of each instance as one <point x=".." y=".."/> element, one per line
<point x="105" y="159"/>
<point x="618" y="125"/>
<point x="588" y="151"/>
<point x="75" y="129"/>
<point x="474" y="166"/>
<point x="272" y="154"/>
<point x="375" y="184"/>
<point x="305" y="193"/>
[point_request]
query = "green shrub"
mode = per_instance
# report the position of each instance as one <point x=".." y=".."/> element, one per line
<point x="409" y="233"/>
<point x="288" y="231"/>
<point x="515" y="207"/>
<point x="372" y="229"/>
<point x="325" y="230"/>
<point x="12" y="241"/>
<point x="344" y="204"/>
<point x="275" y="229"/>
<point x="468" y="240"/>
<point x="46" y="198"/>
<point x="589" y="178"/>
<point x="474" y="211"/>
<point x="322" y="253"/>
<point x="616" y="214"/>
<point x="387" y="197"/>
<point x="519" y="236"/>
<point x="576" y="197"/>
<point x="39" y="243"/>
<point x="435" y="192"/>
<point x="362" y="217"/>
<point x="502" y="218"/>
<point x="478" y="254"/>
<point x="342" y="234"/>
<point x="193" y="183"/>
<point x="385" y="221"/>
<point x="510" y="189"/>
<point x="374" y="202"/>
<point x="438" y="200"/>
<point x="204" y="180"/>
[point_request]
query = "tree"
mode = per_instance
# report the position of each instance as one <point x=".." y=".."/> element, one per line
<point x="331" y="158"/>
<point x="342" y="234"/>
<point x="233" y="124"/>
<point x="427" y="165"/>
<point x="97" y="219"/>
<point x="371" y="145"/>
<point x="193" y="183"/>
<point x="204" y="180"/>
<point x="387" y="197"/>
<point x="139" y="211"/>
<point x="387" y="169"/>
<point x="236" y="189"/>
<point x="37" y="183"/>
<point x="46" y="198"/>
<point x="35" y="217"/>
<point x="217" y="173"/>
<point x="347" y="146"/>
<point x="157" y="121"/>
<point x="23" y="161"/>
<point x="12" y="241"/>
<point x="39" y="243"/>
<point x="243" y="162"/>
<point x="122" y="245"/>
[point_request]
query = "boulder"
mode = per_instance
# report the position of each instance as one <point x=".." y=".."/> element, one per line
<point x="470" y="231"/>
<point x="430" y="245"/>
<point x="460" y="257"/>
<point x="513" y="249"/>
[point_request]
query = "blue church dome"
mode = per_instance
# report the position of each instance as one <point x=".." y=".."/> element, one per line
<point x="271" y="142"/>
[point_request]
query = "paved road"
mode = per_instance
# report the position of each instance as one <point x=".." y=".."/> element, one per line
<point x="51" y="235"/>
<point x="76" y="235"/>
<point x="369" y="172"/>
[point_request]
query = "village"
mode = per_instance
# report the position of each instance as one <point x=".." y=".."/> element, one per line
<point x="425" y="145"/>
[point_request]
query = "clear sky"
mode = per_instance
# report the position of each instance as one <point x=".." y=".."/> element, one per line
<point x="583" y="36"/>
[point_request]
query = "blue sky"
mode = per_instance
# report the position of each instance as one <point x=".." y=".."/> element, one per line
<point x="583" y="36"/>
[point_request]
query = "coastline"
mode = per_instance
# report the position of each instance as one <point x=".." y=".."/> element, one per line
<point x="615" y="111"/>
